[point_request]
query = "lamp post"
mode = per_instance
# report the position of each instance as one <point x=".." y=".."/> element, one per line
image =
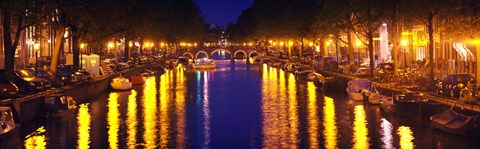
<point x="82" y="46"/>
<point x="404" y="47"/>
<point x="36" y="47"/>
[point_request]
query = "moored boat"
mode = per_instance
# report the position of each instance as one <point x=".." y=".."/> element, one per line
<point x="57" y="105"/>
<point x="7" y="123"/>
<point x="121" y="84"/>
<point x="456" y="123"/>
<point x="316" y="78"/>
<point x="361" y="89"/>
<point x="137" y="79"/>
<point x="408" y="103"/>
<point x="204" y="63"/>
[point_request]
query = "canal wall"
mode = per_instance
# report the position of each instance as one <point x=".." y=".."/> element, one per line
<point x="28" y="108"/>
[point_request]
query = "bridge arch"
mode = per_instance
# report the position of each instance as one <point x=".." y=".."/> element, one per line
<point x="240" y="51"/>
<point x="218" y="50"/>
<point x="199" y="52"/>
<point x="253" y="54"/>
<point x="189" y="55"/>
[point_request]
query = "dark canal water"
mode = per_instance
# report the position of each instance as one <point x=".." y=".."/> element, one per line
<point x="235" y="106"/>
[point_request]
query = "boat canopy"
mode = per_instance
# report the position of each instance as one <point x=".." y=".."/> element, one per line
<point x="356" y="86"/>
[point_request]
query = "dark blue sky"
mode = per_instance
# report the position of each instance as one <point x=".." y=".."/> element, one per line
<point x="221" y="12"/>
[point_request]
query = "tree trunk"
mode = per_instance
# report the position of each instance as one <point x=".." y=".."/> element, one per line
<point x="75" y="48"/>
<point x="430" y="46"/>
<point x="126" y="48"/>
<point x="370" y="52"/>
<point x="301" y="50"/>
<point x="57" y="49"/>
<point x="10" y="47"/>
<point x="351" y="57"/>
<point x="141" y="46"/>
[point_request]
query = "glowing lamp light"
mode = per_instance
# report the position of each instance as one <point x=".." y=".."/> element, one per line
<point x="404" y="42"/>
<point x="359" y="43"/>
<point x="82" y="45"/>
<point x="36" y="46"/>
<point x="130" y="44"/>
<point x="328" y="43"/>
<point x="110" y="44"/>
<point x="290" y="43"/>
<point x="310" y="44"/>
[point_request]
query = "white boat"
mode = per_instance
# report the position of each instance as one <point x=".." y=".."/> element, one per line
<point x="204" y="63"/>
<point x="6" y="120"/>
<point x="358" y="89"/>
<point x="121" y="84"/>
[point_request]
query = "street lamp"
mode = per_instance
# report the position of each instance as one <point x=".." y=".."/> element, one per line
<point x="36" y="47"/>
<point x="404" y="44"/>
<point x="82" y="46"/>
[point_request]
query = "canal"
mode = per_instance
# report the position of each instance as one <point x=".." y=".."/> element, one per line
<point x="238" y="105"/>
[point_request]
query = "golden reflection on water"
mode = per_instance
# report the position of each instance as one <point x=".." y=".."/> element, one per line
<point x="292" y="112"/>
<point x="312" y="115"/>
<point x="279" y="109"/>
<point x="149" y="114"/>
<point x="132" y="120"/>
<point x="84" y="120"/>
<point x="36" y="140"/>
<point x="360" y="131"/>
<point x="113" y="116"/>
<point x="272" y="128"/>
<point x="206" y="111"/>
<point x="406" y="137"/>
<point x="164" y="118"/>
<point x="329" y="123"/>
<point x="180" y="107"/>
<point x="386" y="133"/>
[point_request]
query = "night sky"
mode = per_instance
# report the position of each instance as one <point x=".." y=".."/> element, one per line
<point x="221" y="12"/>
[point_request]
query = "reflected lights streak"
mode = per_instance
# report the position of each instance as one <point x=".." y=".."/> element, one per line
<point x="360" y="131"/>
<point x="206" y="111"/>
<point x="312" y="115"/>
<point x="386" y="133"/>
<point x="292" y="112"/>
<point x="329" y="124"/>
<point x="406" y="137"/>
<point x="180" y="107"/>
<point x="36" y="140"/>
<point x="282" y="107"/>
<point x="83" y="122"/>
<point x="164" y="118"/>
<point x="113" y="116"/>
<point x="270" y="126"/>
<point x="132" y="120"/>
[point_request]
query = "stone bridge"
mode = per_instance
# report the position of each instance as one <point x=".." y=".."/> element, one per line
<point x="247" y="52"/>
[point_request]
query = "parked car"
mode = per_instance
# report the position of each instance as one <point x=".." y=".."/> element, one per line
<point x="69" y="69"/>
<point x="27" y="82"/>
<point x="44" y="74"/>
<point x="453" y="84"/>
<point x="66" y="76"/>
<point x="7" y="88"/>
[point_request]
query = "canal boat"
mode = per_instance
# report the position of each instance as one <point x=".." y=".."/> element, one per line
<point x="58" y="105"/>
<point x="408" y="103"/>
<point x="7" y="123"/>
<point x="137" y="79"/>
<point x="204" y="63"/>
<point x="120" y="84"/>
<point x="317" y="78"/>
<point x="361" y="89"/>
<point x="455" y="123"/>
